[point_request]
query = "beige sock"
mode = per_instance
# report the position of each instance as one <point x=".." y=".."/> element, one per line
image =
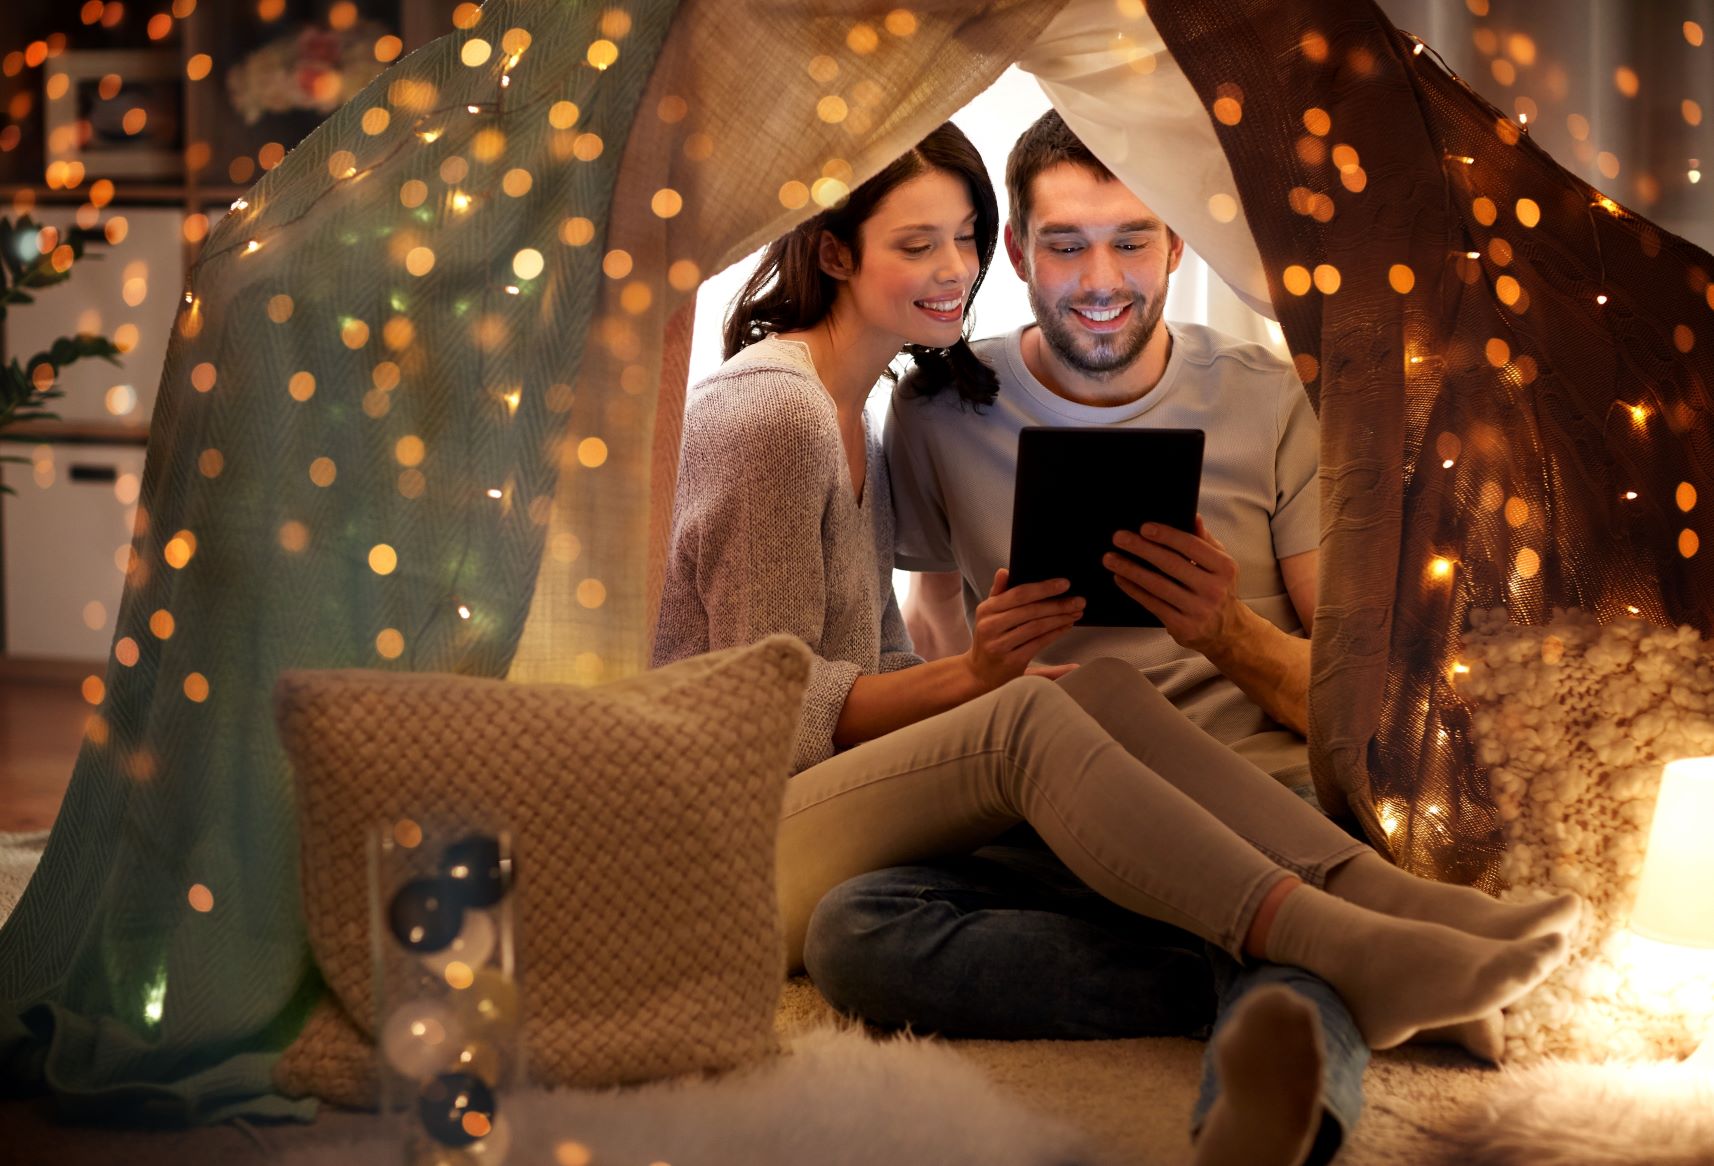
<point x="1483" y="1038"/>
<point x="1371" y="881"/>
<point x="1399" y="976"/>
<point x="1270" y="1062"/>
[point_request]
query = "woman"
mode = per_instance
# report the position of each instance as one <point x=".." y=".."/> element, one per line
<point x="782" y="524"/>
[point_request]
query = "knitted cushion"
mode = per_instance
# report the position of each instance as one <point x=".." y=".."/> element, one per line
<point x="1574" y="720"/>
<point x="643" y="815"/>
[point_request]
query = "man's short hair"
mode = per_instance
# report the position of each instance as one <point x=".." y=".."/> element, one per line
<point x="1046" y="144"/>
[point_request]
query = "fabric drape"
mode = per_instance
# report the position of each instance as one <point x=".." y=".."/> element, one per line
<point x="1512" y="372"/>
<point x="408" y="419"/>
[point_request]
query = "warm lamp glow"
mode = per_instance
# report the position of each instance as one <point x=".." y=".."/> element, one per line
<point x="1673" y="904"/>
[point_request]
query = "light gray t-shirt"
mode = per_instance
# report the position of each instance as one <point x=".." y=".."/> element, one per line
<point x="952" y="475"/>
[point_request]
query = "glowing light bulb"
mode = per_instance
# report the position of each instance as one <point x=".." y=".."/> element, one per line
<point x="1417" y="51"/>
<point x="1639" y="414"/>
<point x="1630" y="495"/>
<point x="511" y="289"/>
<point x="1447" y="464"/>
<point x="463" y="611"/>
<point x="1440" y="567"/>
<point x="494" y="492"/>
<point x="1472" y="255"/>
<point x="474" y="108"/>
<point x="252" y="246"/>
<point x="1602" y="298"/>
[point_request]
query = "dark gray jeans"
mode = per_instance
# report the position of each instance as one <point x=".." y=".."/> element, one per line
<point x="1006" y="943"/>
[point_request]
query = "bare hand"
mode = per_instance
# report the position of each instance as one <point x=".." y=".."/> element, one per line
<point x="1193" y="592"/>
<point x="1015" y="623"/>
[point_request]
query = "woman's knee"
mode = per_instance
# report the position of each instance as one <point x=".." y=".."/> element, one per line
<point x="1106" y="670"/>
<point x="1026" y="692"/>
<point x="1109" y="684"/>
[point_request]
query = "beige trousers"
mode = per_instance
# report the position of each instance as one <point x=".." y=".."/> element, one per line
<point x="1141" y="804"/>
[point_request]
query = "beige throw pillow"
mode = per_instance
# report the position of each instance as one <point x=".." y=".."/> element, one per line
<point x="643" y="814"/>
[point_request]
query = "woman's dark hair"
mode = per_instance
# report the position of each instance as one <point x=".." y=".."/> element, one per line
<point x="790" y="292"/>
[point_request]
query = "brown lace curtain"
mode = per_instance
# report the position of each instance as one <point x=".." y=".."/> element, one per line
<point x="1511" y="369"/>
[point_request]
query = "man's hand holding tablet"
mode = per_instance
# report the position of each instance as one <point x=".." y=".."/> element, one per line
<point x="1077" y="486"/>
<point x="1190" y="583"/>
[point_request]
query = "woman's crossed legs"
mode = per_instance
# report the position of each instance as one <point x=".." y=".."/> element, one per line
<point x="1146" y="824"/>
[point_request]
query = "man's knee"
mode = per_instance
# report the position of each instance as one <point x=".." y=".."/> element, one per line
<point x="853" y="950"/>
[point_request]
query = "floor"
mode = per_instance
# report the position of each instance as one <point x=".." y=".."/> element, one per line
<point x="41" y="727"/>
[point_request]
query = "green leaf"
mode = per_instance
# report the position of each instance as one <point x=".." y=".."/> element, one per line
<point x="68" y="349"/>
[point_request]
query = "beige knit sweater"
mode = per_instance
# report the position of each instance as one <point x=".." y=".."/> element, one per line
<point x="768" y="537"/>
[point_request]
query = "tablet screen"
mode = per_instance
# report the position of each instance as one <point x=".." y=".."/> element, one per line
<point x="1077" y="486"/>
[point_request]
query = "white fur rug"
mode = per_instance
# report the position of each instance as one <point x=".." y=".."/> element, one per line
<point x="837" y="1098"/>
<point x="1558" y="1113"/>
<point x="841" y="1099"/>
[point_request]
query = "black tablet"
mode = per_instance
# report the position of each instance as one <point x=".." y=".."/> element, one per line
<point x="1077" y="486"/>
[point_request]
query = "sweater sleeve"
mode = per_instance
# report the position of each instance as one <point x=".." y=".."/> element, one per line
<point x="756" y="481"/>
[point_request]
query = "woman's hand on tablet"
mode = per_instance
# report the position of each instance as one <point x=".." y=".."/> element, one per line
<point x="1193" y="590"/>
<point x="1014" y="624"/>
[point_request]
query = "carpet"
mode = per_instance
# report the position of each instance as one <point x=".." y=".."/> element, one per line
<point x="19" y="854"/>
<point x="1130" y="1099"/>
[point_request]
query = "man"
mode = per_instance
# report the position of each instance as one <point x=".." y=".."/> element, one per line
<point x="1007" y="943"/>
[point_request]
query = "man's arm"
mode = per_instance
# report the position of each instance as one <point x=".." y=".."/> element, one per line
<point x="934" y="614"/>
<point x="1194" y="594"/>
<point x="1300" y="573"/>
<point x="1269" y="666"/>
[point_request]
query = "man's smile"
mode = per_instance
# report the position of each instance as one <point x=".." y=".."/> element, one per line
<point x="1109" y="319"/>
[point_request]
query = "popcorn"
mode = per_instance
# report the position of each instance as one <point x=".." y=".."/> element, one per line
<point x="1573" y="720"/>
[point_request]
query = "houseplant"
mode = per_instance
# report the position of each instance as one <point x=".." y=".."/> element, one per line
<point x="31" y="258"/>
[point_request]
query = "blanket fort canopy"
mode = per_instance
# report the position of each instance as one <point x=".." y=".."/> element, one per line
<point x="421" y="410"/>
<point x="408" y="419"/>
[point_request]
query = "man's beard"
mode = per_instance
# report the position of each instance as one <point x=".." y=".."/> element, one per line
<point x="1099" y="356"/>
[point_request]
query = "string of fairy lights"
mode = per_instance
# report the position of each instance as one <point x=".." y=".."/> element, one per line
<point x="1510" y="55"/>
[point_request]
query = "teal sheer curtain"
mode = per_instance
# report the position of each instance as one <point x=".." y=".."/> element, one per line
<point x="351" y="465"/>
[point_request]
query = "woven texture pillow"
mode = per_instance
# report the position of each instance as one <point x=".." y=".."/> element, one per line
<point x="643" y="814"/>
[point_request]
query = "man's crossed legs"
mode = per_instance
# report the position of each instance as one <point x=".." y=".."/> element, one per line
<point x="1006" y="943"/>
